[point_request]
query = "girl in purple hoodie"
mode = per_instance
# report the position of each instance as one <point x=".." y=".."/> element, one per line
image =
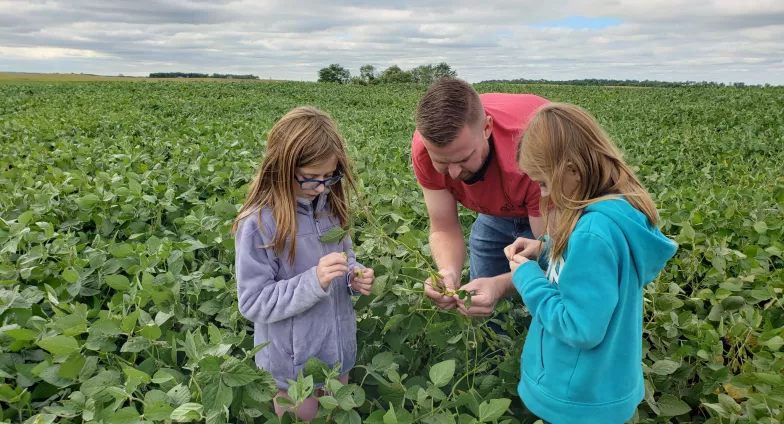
<point x="292" y="286"/>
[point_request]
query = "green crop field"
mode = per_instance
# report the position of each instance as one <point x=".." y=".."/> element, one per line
<point x="117" y="292"/>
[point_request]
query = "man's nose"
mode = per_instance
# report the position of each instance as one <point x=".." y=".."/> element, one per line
<point x="454" y="171"/>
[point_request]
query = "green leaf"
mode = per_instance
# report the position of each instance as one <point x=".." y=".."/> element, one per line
<point x="21" y="334"/>
<point x="42" y="419"/>
<point x="350" y="396"/>
<point x="52" y="376"/>
<point x="733" y="303"/>
<point x="729" y="404"/>
<point x="88" y="202"/>
<point x="348" y="417"/>
<point x="665" y="367"/>
<point x="187" y="412"/>
<point x="225" y="209"/>
<point x="136" y="376"/>
<point x="236" y="373"/>
<point x="216" y="396"/>
<point x="59" y="345"/>
<point x="162" y="376"/>
<point x="671" y="406"/>
<point x="72" y="366"/>
<point x="328" y="402"/>
<point x="71" y="325"/>
<point x="492" y="410"/>
<point x="315" y="367"/>
<point x="761" y="227"/>
<point x="70" y="276"/>
<point x="158" y="411"/>
<point x="121" y="250"/>
<point x="442" y="373"/>
<point x="383" y="361"/>
<point x="390" y="417"/>
<point x="127" y="415"/>
<point x="150" y="332"/>
<point x="25" y="218"/>
<point x="135" y="345"/>
<point x="179" y="395"/>
<point x="379" y="285"/>
<point x="667" y="302"/>
<point x="97" y="387"/>
<point x="334" y="235"/>
<point x="774" y="344"/>
<point x="439" y="418"/>
<point x="118" y="282"/>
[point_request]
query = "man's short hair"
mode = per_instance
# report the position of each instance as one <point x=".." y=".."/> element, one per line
<point x="446" y="108"/>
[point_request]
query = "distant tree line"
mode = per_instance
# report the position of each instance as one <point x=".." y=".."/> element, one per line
<point x="197" y="75"/>
<point x="626" y="83"/>
<point x="368" y="75"/>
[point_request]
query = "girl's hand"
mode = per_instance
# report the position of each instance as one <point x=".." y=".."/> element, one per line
<point x="516" y="261"/>
<point x="362" y="283"/>
<point x="522" y="246"/>
<point x="330" y="267"/>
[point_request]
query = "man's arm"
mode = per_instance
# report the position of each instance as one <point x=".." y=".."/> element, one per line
<point x="537" y="225"/>
<point x="446" y="244"/>
<point x="446" y="232"/>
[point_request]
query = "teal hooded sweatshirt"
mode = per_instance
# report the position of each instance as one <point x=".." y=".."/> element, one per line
<point x="582" y="359"/>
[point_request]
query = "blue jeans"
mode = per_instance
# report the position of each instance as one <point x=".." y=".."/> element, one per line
<point x="489" y="236"/>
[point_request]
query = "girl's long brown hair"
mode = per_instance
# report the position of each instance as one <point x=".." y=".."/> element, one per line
<point x="560" y="135"/>
<point x="305" y="136"/>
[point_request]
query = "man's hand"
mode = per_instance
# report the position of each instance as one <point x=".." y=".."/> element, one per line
<point x="450" y="281"/>
<point x="486" y="293"/>
<point x="525" y="247"/>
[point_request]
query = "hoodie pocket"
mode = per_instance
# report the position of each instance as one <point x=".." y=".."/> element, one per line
<point x="533" y="360"/>
<point x="314" y="336"/>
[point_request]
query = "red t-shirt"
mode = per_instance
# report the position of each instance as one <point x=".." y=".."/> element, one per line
<point x="505" y="191"/>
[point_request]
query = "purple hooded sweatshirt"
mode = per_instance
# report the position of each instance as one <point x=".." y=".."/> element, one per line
<point x="286" y="303"/>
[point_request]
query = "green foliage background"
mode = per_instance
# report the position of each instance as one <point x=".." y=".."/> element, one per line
<point x="117" y="294"/>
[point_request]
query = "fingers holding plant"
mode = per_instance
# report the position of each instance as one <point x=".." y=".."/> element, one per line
<point x="516" y="261"/>
<point x="330" y="267"/>
<point x="528" y="248"/>
<point x="362" y="280"/>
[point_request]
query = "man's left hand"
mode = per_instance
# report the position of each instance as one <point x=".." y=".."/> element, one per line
<point x="487" y="292"/>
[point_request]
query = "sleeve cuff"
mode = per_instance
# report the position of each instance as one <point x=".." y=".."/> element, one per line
<point x="351" y="291"/>
<point x="314" y="284"/>
<point x="524" y="274"/>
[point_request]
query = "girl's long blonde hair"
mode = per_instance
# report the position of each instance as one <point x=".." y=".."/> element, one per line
<point x="305" y="136"/>
<point x="560" y="135"/>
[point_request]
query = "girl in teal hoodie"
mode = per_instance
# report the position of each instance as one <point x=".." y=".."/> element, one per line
<point x="582" y="360"/>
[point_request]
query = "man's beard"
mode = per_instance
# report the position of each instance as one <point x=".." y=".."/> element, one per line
<point x="468" y="175"/>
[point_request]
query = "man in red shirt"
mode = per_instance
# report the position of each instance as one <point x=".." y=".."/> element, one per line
<point x="464" y="150"/>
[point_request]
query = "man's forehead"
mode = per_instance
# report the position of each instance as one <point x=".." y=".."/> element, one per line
<point x="459" y="148"/>
<point x="449" y="153"/>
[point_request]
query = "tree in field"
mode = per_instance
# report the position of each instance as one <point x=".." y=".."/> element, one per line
<point x="334" y="73"/>
<point x="428" y="74"/>
<point x="394" y="74"/>
<point x="367" y="73"/>
<point x="422" y="74"/>
<point x="443" y="70"/>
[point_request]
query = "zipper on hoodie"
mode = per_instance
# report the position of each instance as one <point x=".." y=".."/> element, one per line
<point x="324" y="250"/>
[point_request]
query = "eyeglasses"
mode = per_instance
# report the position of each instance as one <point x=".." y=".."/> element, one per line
<point x="313" y="184"/>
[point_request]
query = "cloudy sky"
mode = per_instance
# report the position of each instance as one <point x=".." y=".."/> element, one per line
<point x="673" y="40"/>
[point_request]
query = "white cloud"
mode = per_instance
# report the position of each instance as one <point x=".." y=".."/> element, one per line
<point x="721" y="40"/>
<point x="48" y="53"/>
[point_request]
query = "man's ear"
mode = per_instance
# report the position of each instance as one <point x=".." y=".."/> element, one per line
<point x="488" y="127"/>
